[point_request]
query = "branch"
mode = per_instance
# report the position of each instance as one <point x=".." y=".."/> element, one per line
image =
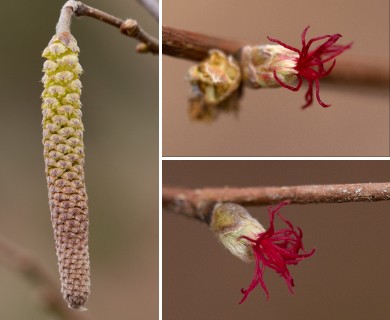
<point x="151" y="6"/>
<point x="198" y="203"/>
<point x="28" y="266"/>
<point x="128" y="27"/>
<point x="360" y="70"/>
<point x="195" y="46"/>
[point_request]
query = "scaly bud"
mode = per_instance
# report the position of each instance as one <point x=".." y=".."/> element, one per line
<point x="64" y="161"/>
<point x="215" y="86"/>
<point x="260" y="62"/>
<point x="217" y="77"/>
<point x="230" y="222"/>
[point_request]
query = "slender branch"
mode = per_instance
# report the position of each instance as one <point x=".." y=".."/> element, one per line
<point x="151" y="6"/>
<point x="195" y="46"/>
<point x="28" y="266"/>
<point x="128" y="27"/>
<point x="196" y="203"/>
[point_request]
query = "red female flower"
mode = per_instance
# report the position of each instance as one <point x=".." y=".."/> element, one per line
<point x="276" y="250"/>
<point x="310" y="64"/>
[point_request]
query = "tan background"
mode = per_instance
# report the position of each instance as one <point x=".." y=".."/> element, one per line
<point x="347" y="278"/>
<point x="271" y="121"/>
<point x="120" y="111"/>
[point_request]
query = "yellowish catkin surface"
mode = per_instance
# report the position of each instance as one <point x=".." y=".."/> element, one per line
<point x="64" y="161"/>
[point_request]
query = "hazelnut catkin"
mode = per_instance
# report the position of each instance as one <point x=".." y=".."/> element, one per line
<point x="64" y="161"/>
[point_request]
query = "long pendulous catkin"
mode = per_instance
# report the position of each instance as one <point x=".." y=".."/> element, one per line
<point x="64" y="161"/>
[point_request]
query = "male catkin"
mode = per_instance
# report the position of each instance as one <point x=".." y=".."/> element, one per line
<point x="64" y="161"/>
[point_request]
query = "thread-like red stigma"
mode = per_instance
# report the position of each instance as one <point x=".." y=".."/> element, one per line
<point x="310" y="64"/>
<point x="276" y="250"/>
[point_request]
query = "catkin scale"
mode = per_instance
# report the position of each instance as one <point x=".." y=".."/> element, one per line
<point x="64" y="166"/>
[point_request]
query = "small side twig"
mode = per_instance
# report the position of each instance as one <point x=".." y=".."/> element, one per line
<point x="195" y="46"/>
<point x="24" y="263"/>
<point x="127" y="27"/>
<point x="151" y="6"/>
<point x="65" y="20"/>
<point x="196" y="203"/>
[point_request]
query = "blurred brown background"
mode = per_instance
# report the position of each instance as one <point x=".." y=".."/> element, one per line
<point x="270" y="122"/>
<point x="347" y="278"/>
<point x="120" y="112"/>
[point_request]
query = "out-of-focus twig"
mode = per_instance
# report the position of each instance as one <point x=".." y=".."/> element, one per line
<point x="151" y="6"/>
<point x="360" y="70"/>
<point x="195" y="46"/>
<point x="28" y="266"/>
<point x="196" y="203"/>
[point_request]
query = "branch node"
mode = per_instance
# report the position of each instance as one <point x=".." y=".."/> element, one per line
<point x="130" y="28"/>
